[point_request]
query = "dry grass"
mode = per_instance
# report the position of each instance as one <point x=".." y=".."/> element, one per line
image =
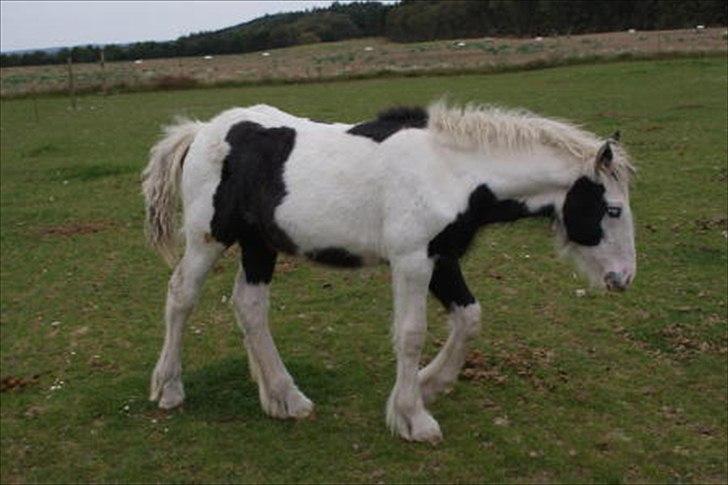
<point x="359" y="58"/>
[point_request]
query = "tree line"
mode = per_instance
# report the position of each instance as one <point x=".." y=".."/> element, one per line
<point x="408" y="21"/>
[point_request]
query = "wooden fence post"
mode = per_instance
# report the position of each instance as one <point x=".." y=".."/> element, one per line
<point x="71" y="86"/>
<point x="104" y="88"/>
<point x="35" y="102"/>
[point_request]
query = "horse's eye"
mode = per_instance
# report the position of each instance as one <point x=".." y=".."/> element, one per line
<point x="614" y="211"/>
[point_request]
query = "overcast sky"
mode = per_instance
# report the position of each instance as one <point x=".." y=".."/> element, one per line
<point x="33" y="24"/>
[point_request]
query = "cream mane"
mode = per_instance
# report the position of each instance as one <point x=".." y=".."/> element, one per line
<point x="485" y="126"/>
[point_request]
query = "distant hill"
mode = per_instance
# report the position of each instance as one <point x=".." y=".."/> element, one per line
<point x="20" y="52"/>
<point x="408" y="21"/>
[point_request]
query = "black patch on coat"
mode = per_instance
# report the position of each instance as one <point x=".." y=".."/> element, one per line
<point x="258" y="257"/>
<point x="335" y="257"/>
<point x="448" y="285"/>
<point x="483" y="208"/>
<point x="390" y="122"/>
<point x="584" y="209"/>
<point x="251" y="187"/>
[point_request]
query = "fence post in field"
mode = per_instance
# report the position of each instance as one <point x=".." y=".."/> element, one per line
<point x="102" y="61"/>
<point x="35" y="102"/>
<point x="71" y="86"/>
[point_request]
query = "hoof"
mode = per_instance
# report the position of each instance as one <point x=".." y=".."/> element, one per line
<point x="290" y="404"/>
<point x="170" y="393"/>
<point x="420" y="426"/>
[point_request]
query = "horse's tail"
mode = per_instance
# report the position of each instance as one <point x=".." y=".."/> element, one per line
<point x="160" y="185"/>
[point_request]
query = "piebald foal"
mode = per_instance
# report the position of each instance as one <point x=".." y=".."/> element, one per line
<point x="410" y="188"/>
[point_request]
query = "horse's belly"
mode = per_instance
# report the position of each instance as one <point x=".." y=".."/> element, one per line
<point x="317" y="224"/>
<point x="332" y="208"/>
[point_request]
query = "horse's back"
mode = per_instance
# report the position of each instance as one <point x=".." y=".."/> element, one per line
<point x="321" y="185"/>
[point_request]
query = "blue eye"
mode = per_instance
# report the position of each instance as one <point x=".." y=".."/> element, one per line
<point x="614" y="211"/>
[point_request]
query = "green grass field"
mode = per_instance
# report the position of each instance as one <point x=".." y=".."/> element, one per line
<point x="599" y="388"/>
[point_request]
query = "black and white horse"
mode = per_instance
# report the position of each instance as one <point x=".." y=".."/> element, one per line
<point x="410" y="188"/>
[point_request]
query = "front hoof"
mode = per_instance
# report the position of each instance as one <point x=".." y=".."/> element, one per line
<point x="420" y="427"/>
<point x="173" y="395"/>
<point x="292" y="404"/>
<point x="425" y="429"/>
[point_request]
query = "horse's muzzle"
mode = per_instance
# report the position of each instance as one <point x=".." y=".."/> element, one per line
<point x="616" y="281"/>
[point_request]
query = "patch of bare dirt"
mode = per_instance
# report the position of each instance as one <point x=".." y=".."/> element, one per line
<point x="709" y="223"/>
<point x="75" y="228"/>
<point x="682" y="342"/>
<point x="13" y="383"/>
<point x="286" y="264"/>
<point x="526" y="362"/>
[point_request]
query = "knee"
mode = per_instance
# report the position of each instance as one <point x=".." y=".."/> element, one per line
<point x="467" y="319"/>
<point x="409" y="341"/>
<point x="252" y="298"/>
<point x="251" y="305"/>
<point x="178" y="295"/>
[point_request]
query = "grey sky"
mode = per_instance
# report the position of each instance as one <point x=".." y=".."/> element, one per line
<point x="33" y="24"/>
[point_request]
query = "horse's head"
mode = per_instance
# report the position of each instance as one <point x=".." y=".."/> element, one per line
<point x="594" y="224"/>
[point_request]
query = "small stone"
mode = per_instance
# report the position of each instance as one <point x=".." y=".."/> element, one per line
<point x="580" y="292"/>
<point x="55" y="324"/>
<point x="501" y="421"/>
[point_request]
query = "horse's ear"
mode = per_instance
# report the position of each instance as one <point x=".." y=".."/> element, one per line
<point x="616" y="136"/>
<point x="604" y="157"/>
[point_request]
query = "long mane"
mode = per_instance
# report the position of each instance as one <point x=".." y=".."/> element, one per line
<point x="491" y="127"/>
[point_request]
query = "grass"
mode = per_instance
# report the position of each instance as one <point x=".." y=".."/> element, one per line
<point x="600" y="388"/>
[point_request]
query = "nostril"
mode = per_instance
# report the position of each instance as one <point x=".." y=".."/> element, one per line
<point x="614" y="281"/>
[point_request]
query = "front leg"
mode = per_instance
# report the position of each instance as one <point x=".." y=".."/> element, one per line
<point x="448" y="286"/>
<point x="406" y="413"/>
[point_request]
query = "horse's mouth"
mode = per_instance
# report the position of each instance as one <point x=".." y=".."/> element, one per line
<point x="615" y="282"/>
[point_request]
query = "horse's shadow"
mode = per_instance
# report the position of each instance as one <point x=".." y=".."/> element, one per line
<point x="223" y="390"/>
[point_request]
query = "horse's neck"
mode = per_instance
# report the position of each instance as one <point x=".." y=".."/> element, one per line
<point x="537" y="177"/>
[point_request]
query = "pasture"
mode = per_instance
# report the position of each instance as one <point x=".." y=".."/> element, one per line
<point x="368" y="57"/>
<point x="560" y="387"/>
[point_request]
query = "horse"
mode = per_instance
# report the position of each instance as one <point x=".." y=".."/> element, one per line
<point x="410" y="188"/>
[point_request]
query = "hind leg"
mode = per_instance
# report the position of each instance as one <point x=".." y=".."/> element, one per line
<point x="279" y="396"/>
<point x="182" y="294"/>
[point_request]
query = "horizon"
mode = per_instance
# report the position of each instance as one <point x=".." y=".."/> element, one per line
<point x="60" y="24"/>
